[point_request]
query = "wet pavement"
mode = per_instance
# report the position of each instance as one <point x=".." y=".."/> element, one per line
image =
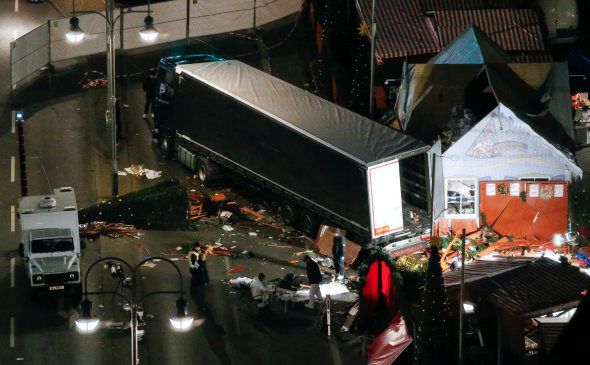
<point x="68" y="145"/>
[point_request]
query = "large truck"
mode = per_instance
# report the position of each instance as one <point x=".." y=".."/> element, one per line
<point x="323" y="161"/>
<point x="51" y="242"/>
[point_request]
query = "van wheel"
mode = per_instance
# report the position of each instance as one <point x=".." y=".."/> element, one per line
<point x="166" y="147"/>
<point x="308" y="223"/>
<point x="289" y="213"/>
<point x="34" y="294"/>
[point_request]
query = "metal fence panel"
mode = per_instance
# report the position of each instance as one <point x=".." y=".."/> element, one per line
<point x="268" y="11"/>
<point x="48" y="43"/>
<point x="215" y="17"/>
<point x="29" y="53"/>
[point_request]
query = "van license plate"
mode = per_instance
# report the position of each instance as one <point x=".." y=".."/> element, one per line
<point x="56" y="287"/>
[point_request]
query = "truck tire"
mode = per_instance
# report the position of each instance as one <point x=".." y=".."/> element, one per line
<point x="207" y="171"/>
<point x="289" y="213"/>
<point x="308" y="223"/>
<point x="166" y="147"/>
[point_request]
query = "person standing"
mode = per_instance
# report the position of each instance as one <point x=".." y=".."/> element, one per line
<point x="315" y="278"/>
<point x="193" y="258"/>
<point x="338" y="253"/>
<point x="200" y="281"/>
<point x="150" y="88"/>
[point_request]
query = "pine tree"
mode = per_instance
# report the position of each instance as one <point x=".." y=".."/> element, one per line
<point x="359" y="92"/>
<point x="332" y="28"/>
<point x="162" y="206"/>
<point x="431" y="334"/>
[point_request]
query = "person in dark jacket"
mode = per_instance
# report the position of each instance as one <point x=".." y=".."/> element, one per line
<point x="315" y="278"/>
<point x="200" y="280"/>
<point x="338" y="253"/>
<point x="150" y="88"/>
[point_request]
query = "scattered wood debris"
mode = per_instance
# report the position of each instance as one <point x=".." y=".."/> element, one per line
<point x="113" y="230"/>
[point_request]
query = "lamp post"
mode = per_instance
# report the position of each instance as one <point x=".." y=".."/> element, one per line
<point x="76" y="34"/>
<point x="87" y="323"/>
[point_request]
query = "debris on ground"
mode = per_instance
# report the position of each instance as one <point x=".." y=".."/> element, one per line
<point x="236" y="269"/>
<point x="257" y="216"/>
<point x="302" y="252"/>
<point x="241" y="282"/>
<point x="243" y="255"/>
<point x="112" y="230"/>
<point x="196" y="206"/>
<point x="139" y="170"/>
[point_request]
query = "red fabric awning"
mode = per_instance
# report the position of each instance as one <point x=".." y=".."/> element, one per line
<point x="511" y="29"/>
<point x="402" y="29"/>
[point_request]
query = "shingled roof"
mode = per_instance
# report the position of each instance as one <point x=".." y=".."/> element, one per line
<point x="401" y="27"/>
<point x="529" y="289"/>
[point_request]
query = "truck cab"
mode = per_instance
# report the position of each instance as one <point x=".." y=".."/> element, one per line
<point x="50" y="241"/>
<point x="167" y="82"/>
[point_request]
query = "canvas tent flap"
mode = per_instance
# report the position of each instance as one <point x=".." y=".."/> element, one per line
<point x="353" y="135"/>
<point x="511" y="91"/>
<point x="471" y="47"/>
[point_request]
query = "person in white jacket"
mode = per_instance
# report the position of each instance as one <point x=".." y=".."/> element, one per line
<point x="258" y="289"/>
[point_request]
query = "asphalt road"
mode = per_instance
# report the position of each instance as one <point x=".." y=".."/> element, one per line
<point x="67" y="144"/>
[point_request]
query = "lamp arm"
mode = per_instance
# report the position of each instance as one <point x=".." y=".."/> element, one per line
<point x="103" y="292"/>
<point x="89" y="12"/>
<point x="104" y="16"/>
<point x="164" y="259"/>
<point x="111" y="258"/>
<point x="159" y="292"/>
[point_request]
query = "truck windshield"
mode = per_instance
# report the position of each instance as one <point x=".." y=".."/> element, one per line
<point x="52" y="245"/>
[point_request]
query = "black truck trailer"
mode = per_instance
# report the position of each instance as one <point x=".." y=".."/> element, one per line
<point x="324" y="161"/>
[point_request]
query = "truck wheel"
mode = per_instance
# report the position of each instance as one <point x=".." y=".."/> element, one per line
<point x="308" y="223"/>
<point x="207" y="171"/>
<point x="166" y="147"/>
<point x="289" y="213"/>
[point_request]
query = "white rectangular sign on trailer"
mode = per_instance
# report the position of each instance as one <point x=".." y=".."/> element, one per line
<point x="385" y="198"/>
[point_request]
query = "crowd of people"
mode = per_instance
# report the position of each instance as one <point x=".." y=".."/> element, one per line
<point x="260" y="291"/>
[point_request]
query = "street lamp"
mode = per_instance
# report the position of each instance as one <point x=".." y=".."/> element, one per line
<point x="87" y="323"/>
<point x="76" y="34"/>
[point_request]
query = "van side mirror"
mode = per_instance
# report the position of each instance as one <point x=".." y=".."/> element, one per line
<point x="21" y="250"/>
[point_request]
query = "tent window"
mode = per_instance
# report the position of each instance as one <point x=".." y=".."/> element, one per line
<point x="534" y="179"/>
<point x="460" y="196"/>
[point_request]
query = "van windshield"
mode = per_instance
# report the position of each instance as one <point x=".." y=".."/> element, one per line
<point x="52" y="245"/>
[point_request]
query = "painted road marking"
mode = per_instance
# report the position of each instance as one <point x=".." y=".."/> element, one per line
<point x="226" y="262"/>
<point x="12" y="168"/>
<point x="14" y="35"/>
<point x="12" y="218"/>
<point x="13" y="121"/>
<point x="11" y="331"/>
<point x="12" y="272"/>
<point x="16" y="6"/>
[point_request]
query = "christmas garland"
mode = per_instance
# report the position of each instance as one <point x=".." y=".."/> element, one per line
<point x="374" y="254"/>
<point x="408" y="273"/>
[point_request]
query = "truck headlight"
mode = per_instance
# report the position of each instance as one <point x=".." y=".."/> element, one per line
<point x="38" y="278"/>
<point x="73" y="276"/>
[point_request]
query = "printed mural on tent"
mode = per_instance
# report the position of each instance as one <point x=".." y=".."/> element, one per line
<point x="501" y="147"/>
